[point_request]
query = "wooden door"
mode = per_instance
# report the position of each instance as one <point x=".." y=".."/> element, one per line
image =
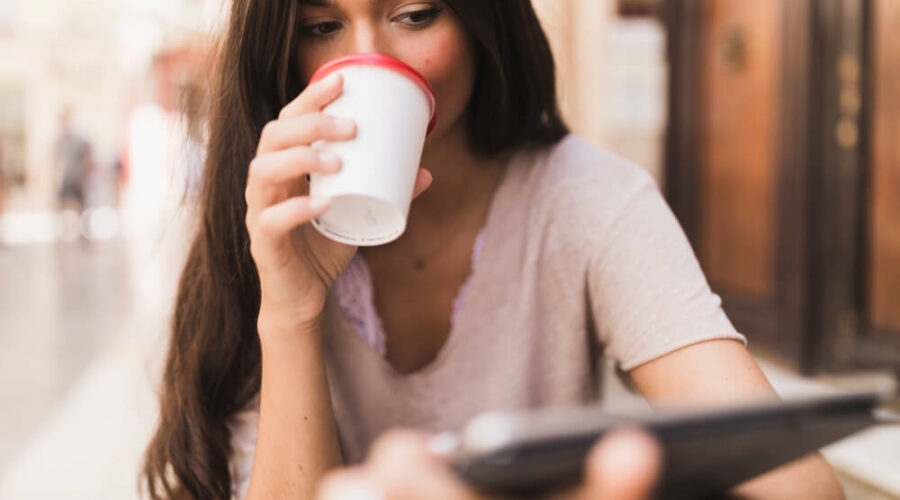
<point x="783" y="166"/>
<point x="883" y="253"/>
<point x="737" y="195"/>
<point x="727" y="114"/>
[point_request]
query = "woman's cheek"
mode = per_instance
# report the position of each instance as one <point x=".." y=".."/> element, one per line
<point x="450" y="56"/>
<point x="451" y="72"/>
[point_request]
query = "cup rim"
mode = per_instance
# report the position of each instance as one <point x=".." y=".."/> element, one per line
<point x="385" y="61"/>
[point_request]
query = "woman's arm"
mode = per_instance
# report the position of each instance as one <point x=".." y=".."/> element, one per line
<point x="297" y="438"/>
<point x="722" y="371"/>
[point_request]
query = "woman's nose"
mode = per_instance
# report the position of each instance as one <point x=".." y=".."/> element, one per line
<point x="366" y="39"/>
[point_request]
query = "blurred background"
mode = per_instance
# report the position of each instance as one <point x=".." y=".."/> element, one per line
<point x="772" y="126"/>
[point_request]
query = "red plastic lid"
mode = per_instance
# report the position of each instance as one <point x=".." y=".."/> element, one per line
<point x="384" y="61"/>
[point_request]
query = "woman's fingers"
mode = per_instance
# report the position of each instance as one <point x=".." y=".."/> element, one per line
<point x="401" y="464"/>
<point x="398" y="468"/>
<point x="285" y="153"/>
<point x="267" y="172"/>
<point x="272" y="224"/>
<point x="348" y="484"/>
<point x="290" y="164"/>
<point x="316" y="96"/>
<point x="285" y="216"/>
<point x="624" y="466"/>
<point x="272" y="171"/>
<point x="303" y="130"/>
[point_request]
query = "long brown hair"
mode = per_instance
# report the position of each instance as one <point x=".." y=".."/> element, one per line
<point x="212" y="368"/>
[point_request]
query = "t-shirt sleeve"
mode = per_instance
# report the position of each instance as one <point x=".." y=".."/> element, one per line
<point x="647" y="292"/>
<point x="243" y="427"/>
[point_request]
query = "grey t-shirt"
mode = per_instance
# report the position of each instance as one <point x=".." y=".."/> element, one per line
<point x="581" y="257"/>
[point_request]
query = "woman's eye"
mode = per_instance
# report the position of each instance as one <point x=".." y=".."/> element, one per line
<point x="322" y="29"/>
<point x="419" y="18"/>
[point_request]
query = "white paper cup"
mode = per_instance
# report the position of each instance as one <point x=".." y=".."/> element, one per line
<point x="394" y="109"/>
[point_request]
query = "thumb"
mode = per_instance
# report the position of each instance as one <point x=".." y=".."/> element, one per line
<point x="423" y="181"/>
<point x="624" y="466"/>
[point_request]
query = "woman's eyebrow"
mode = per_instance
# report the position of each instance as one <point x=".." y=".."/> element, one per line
<point x="328" y="4"/>
<point x="318" y="3"/>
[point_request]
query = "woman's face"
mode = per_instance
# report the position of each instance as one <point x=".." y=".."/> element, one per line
<point x="426" y="35"/>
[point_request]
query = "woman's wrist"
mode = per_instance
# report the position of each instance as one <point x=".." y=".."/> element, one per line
<point x="277" y="326"/>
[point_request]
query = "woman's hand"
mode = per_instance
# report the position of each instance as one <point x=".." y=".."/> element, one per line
<point x="623" y="466"/>
<point x="296" y="264"/>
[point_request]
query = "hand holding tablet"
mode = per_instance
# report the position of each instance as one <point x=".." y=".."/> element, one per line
<point x="584" y="454"/>
<point x="705" y="452"/>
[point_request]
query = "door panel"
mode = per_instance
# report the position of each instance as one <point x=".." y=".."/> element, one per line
<point x="794" y="214"/>
<point x="741" y="81"/>
<point x="884" y="180"/>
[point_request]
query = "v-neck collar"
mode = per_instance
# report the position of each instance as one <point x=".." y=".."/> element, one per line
<point x="474" y="283"/>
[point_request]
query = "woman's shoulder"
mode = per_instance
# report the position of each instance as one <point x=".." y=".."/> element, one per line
<point x="573" y="179"/>
<point x="574" y="164"/>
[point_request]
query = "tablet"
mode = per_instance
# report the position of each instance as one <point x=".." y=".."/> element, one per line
<point x="706" y="452"/>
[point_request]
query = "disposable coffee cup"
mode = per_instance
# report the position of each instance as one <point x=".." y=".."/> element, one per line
<point x="394" y="109"/>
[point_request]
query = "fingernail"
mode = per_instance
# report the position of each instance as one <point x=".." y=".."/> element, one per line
<point x="443" y="445"/>
<point x="331" y="79"/>
<point x="356" y="489"/>
<point x="319" y="203"/>
<point x="361" y="491"/>
<point x="344" y="125"/>
<point x="628" y="449"/>
<point x="329" y="159"/>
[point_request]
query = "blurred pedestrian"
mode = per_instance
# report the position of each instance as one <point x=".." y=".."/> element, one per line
<point x="2" y="178"/>
<point x="2" y="190"/>
<point x="74" y="165"/>
<point x="73" y="159"/>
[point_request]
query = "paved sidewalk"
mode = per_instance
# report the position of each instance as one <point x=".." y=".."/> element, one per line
<point x="83" y="333"/>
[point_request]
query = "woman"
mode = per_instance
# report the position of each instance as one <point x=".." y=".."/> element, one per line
<point x="526" y="255"/>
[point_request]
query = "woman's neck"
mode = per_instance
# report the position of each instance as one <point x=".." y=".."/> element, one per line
<point x="457" y="199"/>
<point x="460" y="179"/>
